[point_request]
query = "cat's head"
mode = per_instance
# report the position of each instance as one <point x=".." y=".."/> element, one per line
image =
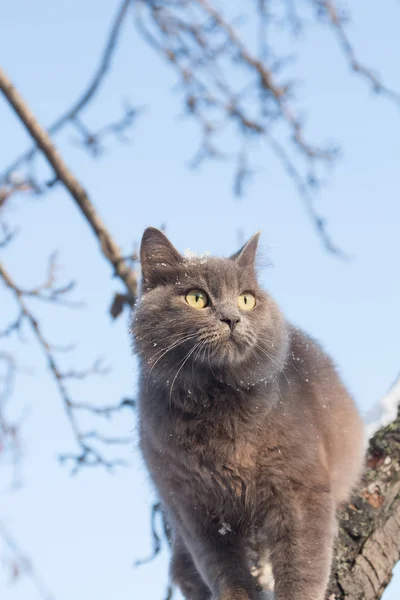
<point x="205" y="313"/>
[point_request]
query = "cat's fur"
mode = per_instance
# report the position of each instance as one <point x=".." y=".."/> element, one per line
<point x="249" y="435"/>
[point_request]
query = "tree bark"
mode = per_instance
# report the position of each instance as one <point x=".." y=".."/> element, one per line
<point x="368" y="544"/>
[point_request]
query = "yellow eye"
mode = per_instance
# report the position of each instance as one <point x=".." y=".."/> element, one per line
<point x="197" y="299"/>
<point x="246" y="301"/>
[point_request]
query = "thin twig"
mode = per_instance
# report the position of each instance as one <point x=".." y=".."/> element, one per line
<point x="87" y="96"/>
<point x="108" y="245"/>
<point x="22" y="565"/>
<point x="88" y="454"/>
<point x="156" y="510"/>
<point x="318" y="221"/>
<point x="187" y="43"/>
<point x="331" y="12"/>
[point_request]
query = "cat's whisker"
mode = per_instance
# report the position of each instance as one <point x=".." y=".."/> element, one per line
<point x="196" y="355"/>
<point x="172" y="340"/>
<point x="209" y="359"/>
<point x="171" y="347"/>
<point x="272" y="347"/>
<point x="188" y="355"/>
<point x="275" y="362"/>
<point x="261" y="358"/>
<point x="268" y="355"/>
<point x="206" y="355"/>
<point x="200" y="349"/>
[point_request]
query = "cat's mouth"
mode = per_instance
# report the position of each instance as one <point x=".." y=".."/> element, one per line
<point x="232" y="336"/>
<point x="226" y="345"/>
<point x="229" y="338"/>
<point x="233" y="343"/>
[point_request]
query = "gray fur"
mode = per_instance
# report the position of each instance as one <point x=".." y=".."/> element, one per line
<point x="249" y="435"/>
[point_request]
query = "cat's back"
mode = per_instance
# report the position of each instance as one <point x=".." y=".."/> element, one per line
<point x="315" y="386"/>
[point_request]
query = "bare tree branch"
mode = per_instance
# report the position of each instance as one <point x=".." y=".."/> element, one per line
<point x="156" y="512"/>
<point x="88" y="454"/>
<point x="318" y="221"/>
<point x="199" y="44"/>
<point x="93" y="141"/>
<point x="205" y="49"/>
<point x="7" y="235"/>
<point x="21" y="565"/>
<point x="10" y="436"/>
<point x="108" y="245"/>
<point x="71" y="114"/>
<point x="336" y="19"/>
<point x="267" y="81"/>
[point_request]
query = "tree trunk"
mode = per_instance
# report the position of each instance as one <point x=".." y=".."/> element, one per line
<point x="368" y="544"/>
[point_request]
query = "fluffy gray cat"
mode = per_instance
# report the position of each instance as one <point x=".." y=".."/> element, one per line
<point x="250" y="437"/>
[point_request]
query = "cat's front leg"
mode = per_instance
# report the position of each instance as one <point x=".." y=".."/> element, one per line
<point x="219" y="557"/>
<point x="185" y="574"/>
<point x="300" y="533"/>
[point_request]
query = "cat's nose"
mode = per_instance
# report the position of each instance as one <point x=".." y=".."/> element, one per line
<point x="231" y="321"/>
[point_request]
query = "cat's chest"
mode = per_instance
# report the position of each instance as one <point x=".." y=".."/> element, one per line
<point x="217" y="463"/>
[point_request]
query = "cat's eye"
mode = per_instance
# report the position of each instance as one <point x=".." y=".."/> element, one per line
<point x="197" y="298"/>
<point x="246" y="301"/>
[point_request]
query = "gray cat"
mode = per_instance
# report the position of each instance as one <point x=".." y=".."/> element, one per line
<point x="250" y="437"/>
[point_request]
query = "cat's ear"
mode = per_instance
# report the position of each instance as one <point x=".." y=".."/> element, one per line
<point x="246" y="256"/>
<point x="157" y="255"/>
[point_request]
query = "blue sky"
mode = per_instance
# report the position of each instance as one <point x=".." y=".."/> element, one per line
<point x="85" y="532"/>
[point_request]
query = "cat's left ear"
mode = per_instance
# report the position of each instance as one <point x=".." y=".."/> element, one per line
<point x="157" y="255"/>
<point x="246" y="256"/>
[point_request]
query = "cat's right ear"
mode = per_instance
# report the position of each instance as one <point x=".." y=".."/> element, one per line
<point x="157" y="256"/>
